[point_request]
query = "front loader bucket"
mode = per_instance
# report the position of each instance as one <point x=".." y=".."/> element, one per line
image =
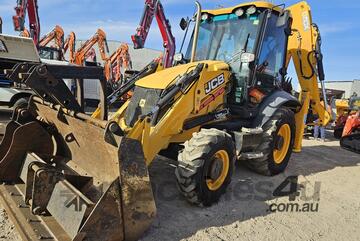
<point x="70" y="177"/>
<point x="18" y="140"/>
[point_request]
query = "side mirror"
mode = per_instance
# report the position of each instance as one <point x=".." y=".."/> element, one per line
<point x="247" y="57"/>
<point x="183" y="24"/>
<point x="283" y="19"/>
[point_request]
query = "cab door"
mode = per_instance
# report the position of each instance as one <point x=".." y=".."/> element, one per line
<point x="270" y="67"/>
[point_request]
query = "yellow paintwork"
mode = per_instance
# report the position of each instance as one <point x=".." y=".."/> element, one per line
<point x="285" y="133"/>
<point x="119" y="114"/>
<point x="169" y="128"/>
<point x="223" y="156"/>
<point x="97" y="113"/>
<point x="301" y="42"/>
<point x="164" y="78"/>
<point x="259" y="4"/>
<point x="342" y="106"/>
<point x="304" y="99"/>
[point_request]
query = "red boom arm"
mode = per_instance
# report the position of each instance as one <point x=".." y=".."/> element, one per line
<point x="31" y="7"/>
<point x="155" y="8"/>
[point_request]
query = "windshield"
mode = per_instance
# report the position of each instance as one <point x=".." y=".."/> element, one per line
<point x="224" y="37"/>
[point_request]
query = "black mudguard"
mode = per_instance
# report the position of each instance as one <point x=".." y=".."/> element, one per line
<point x="271" y="104"/>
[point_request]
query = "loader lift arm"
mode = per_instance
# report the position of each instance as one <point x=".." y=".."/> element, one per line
<point x="100" y="39"/>
<point x="31" y="8"/>
<point x="122" y="91"/>
<point x="155" y="8"/>
<point x="304" y="48"/>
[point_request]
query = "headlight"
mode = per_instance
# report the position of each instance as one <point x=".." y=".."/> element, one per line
<point x="205" y="16"/>
<point x="251" y="10"/>
<point x="178" y="57"/>
<point x="239" y="12"/>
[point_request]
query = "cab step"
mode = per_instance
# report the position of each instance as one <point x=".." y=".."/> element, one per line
<point x="251" y="155"/>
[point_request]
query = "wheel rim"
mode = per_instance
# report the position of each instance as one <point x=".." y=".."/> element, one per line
<point x="220" y="157"/>
<point x="282" y="143"/>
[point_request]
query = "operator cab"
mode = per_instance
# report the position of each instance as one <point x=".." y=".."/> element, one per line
<point x="50" y="53"/>
<point x="252" y="39"/>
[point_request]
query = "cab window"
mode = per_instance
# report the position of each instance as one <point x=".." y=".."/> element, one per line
<point x="272" y="55"/>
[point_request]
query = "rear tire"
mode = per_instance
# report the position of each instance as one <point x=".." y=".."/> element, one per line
<point x="205" y="166"/>
<point x="277" y="144"/>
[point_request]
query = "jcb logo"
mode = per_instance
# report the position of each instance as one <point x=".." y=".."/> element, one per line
<point x="142" y="103"/>
<point x="214" y="83"/>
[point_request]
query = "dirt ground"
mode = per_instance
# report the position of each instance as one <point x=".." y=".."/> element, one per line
<point x="328" y="179"/>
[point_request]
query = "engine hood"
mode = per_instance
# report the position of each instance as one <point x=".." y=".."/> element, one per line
<point x="162" y="79"/>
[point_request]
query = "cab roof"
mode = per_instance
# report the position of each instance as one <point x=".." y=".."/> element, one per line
<point x="258" y="4"/>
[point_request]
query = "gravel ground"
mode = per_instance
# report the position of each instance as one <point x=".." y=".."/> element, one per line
<point x="328" y="180"/>
<point x="244" y="212"/>
<point x="7" y="229"/>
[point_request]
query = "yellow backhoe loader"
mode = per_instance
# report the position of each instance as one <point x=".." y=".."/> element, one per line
<point x="68" y="176"/>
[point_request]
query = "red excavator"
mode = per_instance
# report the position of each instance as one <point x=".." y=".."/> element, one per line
<point x="51" y="45"/>
<point x="99" y="38"/>
<point x="155" y="8"/>
<point x="117" y="63"/>
<point x="31" y="8"/>
<point x="56" y="35"/>
<point x="69" y="44"/>
<point x="350" y="139"/>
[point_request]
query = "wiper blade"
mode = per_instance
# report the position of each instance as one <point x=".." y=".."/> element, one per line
<point x="237" y="55"/>
<point x="246" y="43"/>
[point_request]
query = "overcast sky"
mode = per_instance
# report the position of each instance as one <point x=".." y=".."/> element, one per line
<point x="339" y="23"/>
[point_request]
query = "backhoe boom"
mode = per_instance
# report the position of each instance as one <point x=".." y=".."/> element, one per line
<point x="155" y="8"/>
<point x="100" y="39"/>
<point x="69" y="45"/>
<point x="56" y="34"/>
<point x="304" y="48"/>
<point x="31" y="8"/>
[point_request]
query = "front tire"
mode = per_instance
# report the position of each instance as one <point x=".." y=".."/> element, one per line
<point x="277" y="144"/>
<point x="205" y="166"/>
